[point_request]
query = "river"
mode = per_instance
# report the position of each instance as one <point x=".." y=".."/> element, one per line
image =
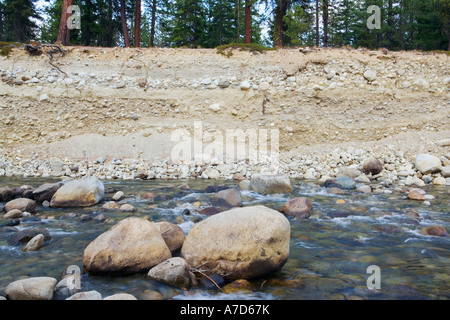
<point x="330" y="252"/>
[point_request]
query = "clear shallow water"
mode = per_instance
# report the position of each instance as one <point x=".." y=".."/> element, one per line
<point x="329" y="252"/>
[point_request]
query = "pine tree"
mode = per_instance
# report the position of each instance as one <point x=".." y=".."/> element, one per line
<point x="189" y="26"/>
<point x="18" y="22"/>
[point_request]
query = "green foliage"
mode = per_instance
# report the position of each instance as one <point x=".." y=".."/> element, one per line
<point x="227" y="49"/>
<point x="298" y="26"/>
<point x="19" y="20"/>
<point x="6" y="47"/>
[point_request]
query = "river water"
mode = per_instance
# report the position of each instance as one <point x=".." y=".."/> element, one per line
<point x="329" y="253"/>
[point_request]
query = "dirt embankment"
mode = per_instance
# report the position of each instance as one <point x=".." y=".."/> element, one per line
<point x="126" y="103"/>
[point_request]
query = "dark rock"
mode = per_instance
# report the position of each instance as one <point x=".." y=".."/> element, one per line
<point x="228" y="198"/>
<point x="6" y="194"/>
<point x="85" y="217"/>
<point x="342" y="182"/>
<point x="27" y="234"/>
<point x="11" y="223"/>
<point x="388" y="228"/>
<point x="373" y="166"/>
<point x="215" y="189"/>
<point x="210" y="211"/>
<point x="46" y="191"/>
<point x="28" y="194"/>
<point x="208" y="284"/>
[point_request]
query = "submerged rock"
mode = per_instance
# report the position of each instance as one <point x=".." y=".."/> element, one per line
<point x="342" y="182"/>
<point x="436" y="230"/>
<point x="239" y="243"/>
<point x="132" y="245"/>
<point x="210" y="211"/>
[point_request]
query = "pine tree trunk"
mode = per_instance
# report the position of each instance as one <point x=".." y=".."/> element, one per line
<point x="317" y="24"/>
<point x="137" y="25"/>
<point x="390" y="24"/>
<point x="109" y="37"/>
<point x="248" y="21"/>
<point x="280" y="12"/>
<point x="152" y="30"/>
<point x="325" y="23"/>
<point x="123" y="17"/>
<point x="64" y="32"/>
<point x="1" y="22"/>
<point x="448" y="49"/>
<point x="238" y="21"/>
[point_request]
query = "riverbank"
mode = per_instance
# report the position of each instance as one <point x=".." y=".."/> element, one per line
<point x="112" y="112"/>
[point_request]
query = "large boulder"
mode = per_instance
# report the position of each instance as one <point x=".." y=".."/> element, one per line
<point x="427" y="163"/>
<point x="46" y="191"/>
<point x="228" y="198"/>
<point x="239" y="243"/>
<point x="175" y="272"/>
<point x="36" y="288"/>
<point x="79" y="193"/>
<point x="132" y="245"/>
<point x="270" y="183"/>
<point x="300" y="207"/>
<point x="22" y="204"/>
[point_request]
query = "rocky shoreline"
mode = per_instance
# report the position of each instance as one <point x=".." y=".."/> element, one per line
<point x="394" y="168"/>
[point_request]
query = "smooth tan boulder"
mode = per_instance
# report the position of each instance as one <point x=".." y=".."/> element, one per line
<point x="22" y="204"/>
<point x="36" y="288"/>
<point x="79" y="193"/>
<point x="270" y="183"/>
<point x="240" y="243"/>
<point x="133" y="245"/>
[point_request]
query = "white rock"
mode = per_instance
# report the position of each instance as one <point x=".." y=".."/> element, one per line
<point x="370" y="75"/>
<point x="215" y="107"/>
<point x="439" y="181"/>
<point x="446" y="172"/>
<point x="426" y="163"/>
<point x="245" y="85"/>
<point x="43" y="97"/>
<point x="264" y="86"/>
